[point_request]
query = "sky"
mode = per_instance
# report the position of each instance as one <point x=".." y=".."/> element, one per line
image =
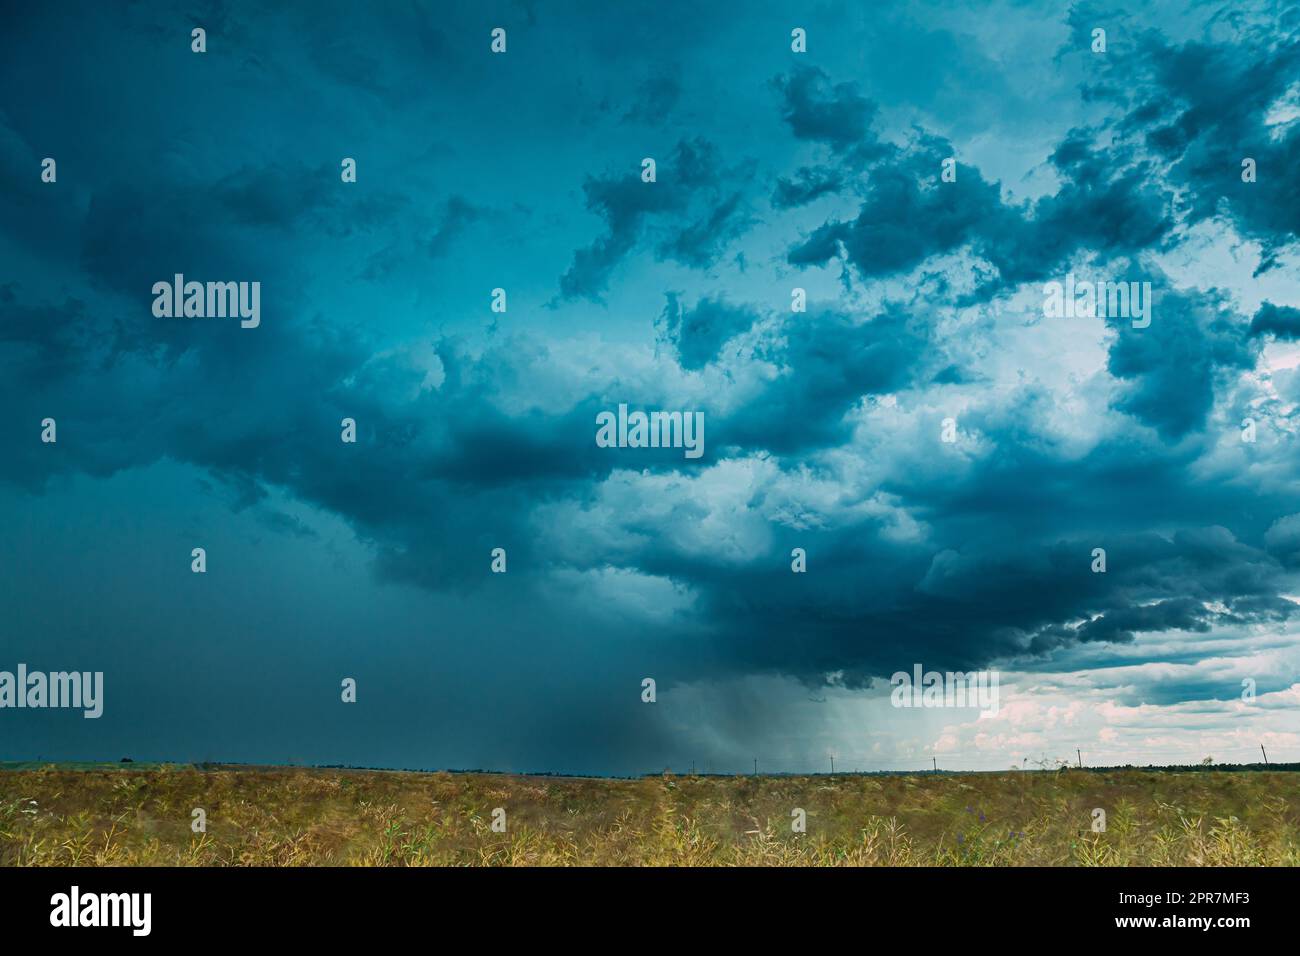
<point x="947" y="453"/>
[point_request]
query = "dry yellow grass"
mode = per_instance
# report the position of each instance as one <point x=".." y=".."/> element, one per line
<point x="305" y="817"/>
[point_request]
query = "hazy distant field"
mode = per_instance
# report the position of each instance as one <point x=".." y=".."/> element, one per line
<point x="299" y="817"/>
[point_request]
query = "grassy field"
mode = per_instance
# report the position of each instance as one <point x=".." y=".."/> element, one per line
<point x="141" y="816"/>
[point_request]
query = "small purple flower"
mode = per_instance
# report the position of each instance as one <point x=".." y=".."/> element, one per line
<point x="981" y="818"/>
<point x="961" y="838"/>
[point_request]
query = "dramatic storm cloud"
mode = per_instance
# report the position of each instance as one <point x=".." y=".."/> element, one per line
<point x="842" y="263"/>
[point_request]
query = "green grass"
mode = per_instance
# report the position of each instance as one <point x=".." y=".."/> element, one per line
<point x="141" y="816"/>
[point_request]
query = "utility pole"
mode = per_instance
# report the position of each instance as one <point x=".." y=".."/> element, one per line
<point x="1076" y="750"/>
<point x="935" y="761"/>
<point x="832" y="765"/>
<point x="1265" y="753"/>
<point x="755" y="766"/>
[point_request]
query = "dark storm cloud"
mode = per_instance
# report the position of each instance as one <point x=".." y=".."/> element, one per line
<point x="1173" y="365"/>
<point x="807" y="184"/>
<point x="698" y="333"/>
<point x="1280" y="321"/>
<point x="834" y="114"/>
<point x="907" y="217"/>
<point x="699" y="244"/>
<point x="1203" y="107"/>
<point x="693" y="186"/>
<point x="1002" y="575"/>
<point x="1283" y="540"/>
<point x="1107" y="204"/>
<point x="829" y="361"/>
